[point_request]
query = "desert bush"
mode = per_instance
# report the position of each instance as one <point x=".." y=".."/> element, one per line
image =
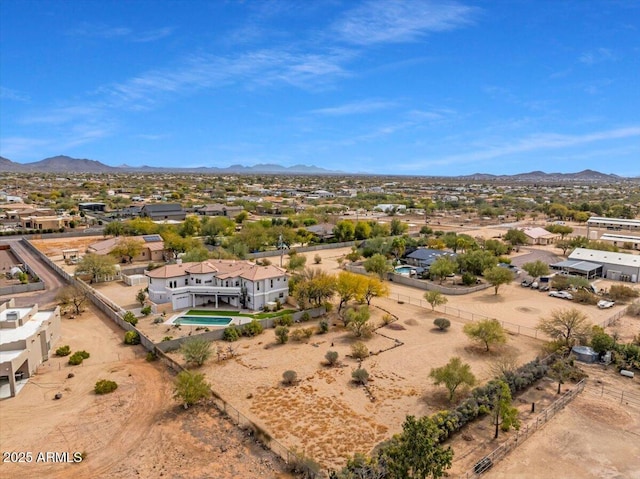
<point x="196" y="351"/>
<point x="75" y="359"/>
<point x="585" y="297"/>
<point x="63" y="350"/>
<point x="151" y="356"/>
<point x="328" y="307"/>
<point x="253" y="328"/>
<point x="289" y="377"/>
<point x="323" y="326"/>
<point x="387" y="319"/>
<point x="360" y="376"/>
<point x="620" y="292"/>
<point x="282" y="334"/>
<point x="105" y="386"/>
<point x="468" y="279"/>
<point x="284" y="320"/>
<point x="359" y="350"/>
<point x="331" y="357"/>
<point x="131" y="337"/>
<point x="305" y="317"/>
<point x="442" y="323"/>
<point x="634" y="309"/>
<point x="146" y="311"/>
<point x="317" y="259"/>
<point x="231" y="334"/>
<point x="84" y="354"/>
<point x="129" y="317"/>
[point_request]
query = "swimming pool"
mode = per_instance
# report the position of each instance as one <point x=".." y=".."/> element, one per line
<point x="406" y="270"/>
<point x="202" y="321"/>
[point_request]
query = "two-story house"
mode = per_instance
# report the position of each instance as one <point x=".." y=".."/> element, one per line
<point x="239" y="284"/>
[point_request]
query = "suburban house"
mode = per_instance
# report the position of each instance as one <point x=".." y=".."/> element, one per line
<point x="240" y="284"/>
<point x="152" y="247"/>
<point x="539" y="236"/>
<point x="26" y="338"/>
<point x="323" y="231"/>
<point x="218" y="209"/>
<point x="163" y="211"/>
<point x="425" y="257"/>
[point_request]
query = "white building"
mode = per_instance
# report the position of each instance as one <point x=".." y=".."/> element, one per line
<point x="615" y="266"/>
<point x="240" y="284"/>
<point x="26" y="338"/>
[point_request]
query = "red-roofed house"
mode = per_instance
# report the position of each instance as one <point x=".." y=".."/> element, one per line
<point x="240" y="284"/>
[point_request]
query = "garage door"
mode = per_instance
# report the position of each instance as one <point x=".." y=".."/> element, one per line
<point x="181" y="302"/>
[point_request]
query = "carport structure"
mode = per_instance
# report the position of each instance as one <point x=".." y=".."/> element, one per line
<point x="579" y="268"/>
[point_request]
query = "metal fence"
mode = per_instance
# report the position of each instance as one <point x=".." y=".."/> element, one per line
<point x="628" y="398"/>
<point x="486" y="462"/>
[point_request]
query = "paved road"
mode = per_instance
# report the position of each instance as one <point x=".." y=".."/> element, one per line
<point x="53" y="282"/>
<point x="535" y="254"/>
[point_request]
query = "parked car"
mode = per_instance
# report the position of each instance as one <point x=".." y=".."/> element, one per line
<point x="526" y="283"/>
<point x="561" y="294"/>
<point x="604" y="304"/>
<point x="534" y="285"/>
<point x="544" y="287"/>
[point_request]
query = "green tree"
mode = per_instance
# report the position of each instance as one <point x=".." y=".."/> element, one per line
<point x="348" y="286"/>
<point x="190" y="226"/>
<point x="497" y="276"/>
<point x="601" y="342"/>
<point x="567" y="326"/>
<point x="536" y="268"/>
<point x="477" y="261"/>
<point x="515" y="237"/>
<point x="442" y="267"/>
<point x="141" y="296"/>
<point x="196" y="254"/>
<point x="127" y="249"/>
<point x="362" y="230"/>
<point x="377" y="264"/>
<point x="398" y="228"/>
<point x="373" y="288"/>
<point x="486" y="331"/>
<point x="115" y="228"/>
<point x="435" y="298"/>
<point x="344" y="230"/>
<point x="504" y="414"/>
<point x="454" y="374"/>
<point x="561" y="230"/>
<point x="560" y="370"/>
<point x="96" y="266"/>
<point x="191" y="388"/>
<point x="296" y="261"/>
<point x="358" y="321"/>
<point x="196" y="351"/>
<point x="215" y="227"/>
<point x="415" y="453"/>
<point x="398" y="247"/>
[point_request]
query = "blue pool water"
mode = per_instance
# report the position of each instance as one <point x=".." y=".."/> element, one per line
<point x="202" y="321"/>
<point x="404" y="270"/>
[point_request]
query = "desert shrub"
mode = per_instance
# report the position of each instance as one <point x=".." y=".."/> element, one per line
<point x="323" y="326"/>
<point x="304" y="465"/>
<point x="620" y="292"/>
<point x="284" y="320"/>
<point x="468" y="279"/>
<point x="63" y="350"/>
<point x="359" y="350"/>
<point x="129" y="317"/>
<point x="131" y="337"/>
<point x="360" y="376"/>
<point x="317" y="259"/>
<point x="634" y="309"/>
<point x="253" y="328"/>
<point x="585" y="297"/>
<point x="167" y="338"/>
<point x="282" y="334"/>
<point x="105" y="386"/>
<point x="84" y="354"/>
<point x="331" y="357"/>
<point x="305" y="317"/>
<point x="196" y="351"/>
<point x="146" y="311"/>
<point x="231" y="334"/>
<point x="387" y="319"/>
<point x="151" y="356"/>
<point x="328" y="307"/>
<point x="75" y="359"/>
<point x="289" y="377"/>
<point x="525" y="375"/>
<point x="442" y="323"/>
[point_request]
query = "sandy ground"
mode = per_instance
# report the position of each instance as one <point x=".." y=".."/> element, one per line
<point x="324" y="416"/>
<point x="137" y="431"/>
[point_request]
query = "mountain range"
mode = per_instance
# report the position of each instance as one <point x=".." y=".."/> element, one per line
<point x="66" y="164"/>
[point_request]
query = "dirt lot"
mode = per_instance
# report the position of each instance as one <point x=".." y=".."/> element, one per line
<point x="137" y="431"/>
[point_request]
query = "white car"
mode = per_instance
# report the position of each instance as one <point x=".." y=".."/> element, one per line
<point x="561" y="294"/>
<point x="604" y="304"/>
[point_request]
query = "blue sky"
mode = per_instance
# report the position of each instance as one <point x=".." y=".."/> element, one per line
<point x="381" y="86"/>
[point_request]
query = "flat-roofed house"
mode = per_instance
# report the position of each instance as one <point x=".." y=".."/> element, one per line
<point x="163" y="211"/>
<point x="539" y="236"/>
<point x="152" y="247"/>
<point x="27" y="336"/>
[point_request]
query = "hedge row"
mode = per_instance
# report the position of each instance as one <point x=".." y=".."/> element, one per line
<point x="481" y="399"/>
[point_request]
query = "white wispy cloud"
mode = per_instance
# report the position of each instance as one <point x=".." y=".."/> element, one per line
<point x="125" y="33"/>
<point x="355" y="108"/>
<point x="394" y="21"/>
<point x="543" y="141"/>
<point x="596" y="56"/>
<point x="59" y="116"/>
<point x="14" y="95"/>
